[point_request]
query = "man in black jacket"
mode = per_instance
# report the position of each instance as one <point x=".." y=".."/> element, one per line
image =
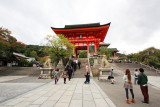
<point x="142" y="81"/>
<point x="70" y="71"/>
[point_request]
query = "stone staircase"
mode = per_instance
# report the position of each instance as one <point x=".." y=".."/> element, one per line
<point x="79" y="73"/>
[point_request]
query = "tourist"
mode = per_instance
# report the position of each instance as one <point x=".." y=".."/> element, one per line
<point x="79" y="64"/>
<point x="56" y="75"/>
<point x="74" y="66"/>
<point x="64" y="75"/>
<point x="76" y="61"/>
<point x="87" y="68"/>
<point x="128" y="86"/>
<point x="136" y="76"/>
<point x="70" y="71"/>
<point x="142" y="81"/>
<point x="111" y="77"/>
<point x="66" y="68"/>
<point x="87" y="78"/>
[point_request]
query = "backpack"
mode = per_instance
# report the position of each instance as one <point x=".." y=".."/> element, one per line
<point x="55" y="75"/>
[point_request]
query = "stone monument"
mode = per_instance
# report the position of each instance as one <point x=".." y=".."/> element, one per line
<point x="105" y="68"/>
<point x="46" y="71"/>
<point x="95" y="58"/>
<point x="104" y="62"/>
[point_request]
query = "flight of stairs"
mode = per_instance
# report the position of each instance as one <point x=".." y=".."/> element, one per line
<point x="79" y="73"/>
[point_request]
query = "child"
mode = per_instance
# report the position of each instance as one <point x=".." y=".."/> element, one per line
<point x="136" y="76"/>
<point x="87" y="78"/>
<point x="56" y="76"/>
<point x="64" y="75"/>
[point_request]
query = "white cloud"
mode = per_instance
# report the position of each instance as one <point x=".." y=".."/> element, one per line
<point x="134" y="24"/>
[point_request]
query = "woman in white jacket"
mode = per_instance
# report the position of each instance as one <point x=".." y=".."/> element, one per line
<point x="128" y="85"/>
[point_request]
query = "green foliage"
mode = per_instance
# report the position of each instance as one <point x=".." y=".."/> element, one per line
<point x="59" y="47"/>
<point x="40" y="50"/>
<point x="33" y="54"/>
<point x="82" y="54"/>
<point x="105" y="51"/>
<point x="30" y="64"/>
<point x="22" y="62"/>
<point x="150" y="56"/>
<point x="9" y="44"/>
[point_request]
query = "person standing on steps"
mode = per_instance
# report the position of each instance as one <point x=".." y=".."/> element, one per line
<point x="70" y="71"/>
<point x="128" y="86"/>
<point x="79" y="64"/>
<point x="142" y="81"/>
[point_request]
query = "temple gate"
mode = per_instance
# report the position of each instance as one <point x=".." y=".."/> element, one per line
<point x="84" y="36"/>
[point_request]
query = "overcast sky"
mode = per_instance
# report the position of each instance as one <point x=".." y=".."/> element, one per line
<point x="135" y="24"/>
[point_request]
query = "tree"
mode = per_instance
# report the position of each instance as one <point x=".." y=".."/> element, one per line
<point x="34" y="54"/>
<point x="105" y="51"/>
<point x="149" y="56"/>
<point x="82" y="54"/>
<point x="9" y="44"/>
<point x="59" y="47"/>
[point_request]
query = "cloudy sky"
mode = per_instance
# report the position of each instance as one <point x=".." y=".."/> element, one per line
<point x="135" y="24"/>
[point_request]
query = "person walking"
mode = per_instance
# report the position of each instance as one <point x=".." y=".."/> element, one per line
<point x="56" y="75"/>
<point x="79" y="64"/>
<point x="66" y="68"/>
<point x="142" y="81"/>
<point x="136" y="76"/>
<point x="70" y="71"/>
<point x="64" y="75"/>
<point x="128" y="86"/>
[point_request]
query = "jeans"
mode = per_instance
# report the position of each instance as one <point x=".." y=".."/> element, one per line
<point x="144" y="90"/>
<point x="131" y="90"/>
<point x="56" y="80"/>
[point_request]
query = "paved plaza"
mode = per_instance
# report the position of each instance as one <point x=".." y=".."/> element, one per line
<point x="73" y="94"/>
<point x="29" y="91"/>
<point x="154" y="80"/>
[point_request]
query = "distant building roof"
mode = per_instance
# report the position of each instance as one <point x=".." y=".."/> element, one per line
<point x="23" y="56"/>
<point x="82" y="26"/>
<point x="104" y="44"/>
<point x="114" y="49"/>
<point x="20" y="55"/>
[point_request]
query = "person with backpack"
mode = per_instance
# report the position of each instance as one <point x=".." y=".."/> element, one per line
<point x="56" y="75"/>
<point x="64" y="75"/>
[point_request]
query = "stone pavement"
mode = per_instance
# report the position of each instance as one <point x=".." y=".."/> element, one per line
<point x="73" y="94"/>
<point x="8" y="78"/>
<point x="12" y="86"/>
<point x="154" y="80"/>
